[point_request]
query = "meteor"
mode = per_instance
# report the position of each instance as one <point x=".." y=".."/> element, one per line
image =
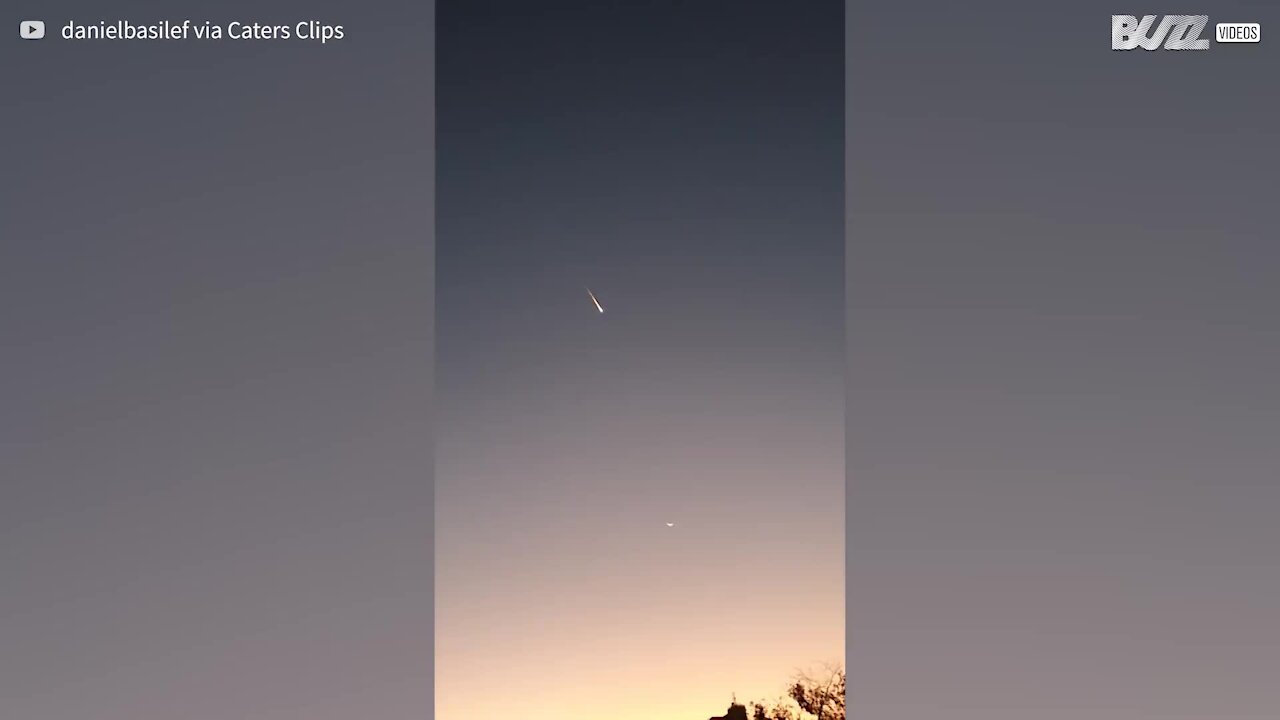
<point x="594" y="300"/>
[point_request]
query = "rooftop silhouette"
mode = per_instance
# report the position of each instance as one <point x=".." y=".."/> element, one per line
<point x="735" y="712"/>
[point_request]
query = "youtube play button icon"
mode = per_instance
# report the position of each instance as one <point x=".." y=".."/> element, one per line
<point x="31" y="29"/>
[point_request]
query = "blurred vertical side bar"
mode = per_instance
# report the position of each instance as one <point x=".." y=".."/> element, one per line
<point x="216" y="366"/>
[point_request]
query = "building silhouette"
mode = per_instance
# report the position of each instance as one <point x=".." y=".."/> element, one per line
<point x="735" y="712"/>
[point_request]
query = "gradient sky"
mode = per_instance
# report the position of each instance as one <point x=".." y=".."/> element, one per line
<point x="684" y="161"/>
<point x="216" y="308"/>
<point x="215" y="321"/>
<point x="1063" y="406"/>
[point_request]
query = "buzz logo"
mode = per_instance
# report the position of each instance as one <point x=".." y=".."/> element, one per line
<point x="1175" y="32"/>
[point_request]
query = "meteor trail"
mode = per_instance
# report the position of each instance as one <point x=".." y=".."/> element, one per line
<point x="594" y="300"/>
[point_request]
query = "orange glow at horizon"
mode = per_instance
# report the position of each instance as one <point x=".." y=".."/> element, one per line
<point x="679" y="661"/>
<point x="567" y="614"/>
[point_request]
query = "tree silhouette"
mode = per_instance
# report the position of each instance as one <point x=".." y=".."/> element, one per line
<point x="820" y="695"/>
<point x="778" y="711"/>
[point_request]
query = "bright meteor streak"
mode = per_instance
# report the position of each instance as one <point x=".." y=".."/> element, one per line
<point x="594" y="300"/>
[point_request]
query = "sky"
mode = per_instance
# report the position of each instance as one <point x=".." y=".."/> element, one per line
<point x="684" y="161"/>
<point x="1037" y="471"/>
